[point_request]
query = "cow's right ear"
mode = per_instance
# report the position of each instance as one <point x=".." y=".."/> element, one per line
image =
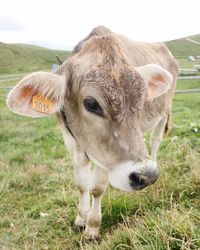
<point x="38" y="95"/>
<point x="158" y="80"/>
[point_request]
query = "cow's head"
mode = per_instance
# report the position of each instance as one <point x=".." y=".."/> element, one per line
<point x="102" y="97"/>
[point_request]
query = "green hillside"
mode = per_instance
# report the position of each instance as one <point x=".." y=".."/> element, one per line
<point x="16" y="58"/>
<point x="183" y="47"/>
<point x="196" y="38"/>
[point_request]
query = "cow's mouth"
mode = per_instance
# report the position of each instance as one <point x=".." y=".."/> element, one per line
<point x="134" y="176"/>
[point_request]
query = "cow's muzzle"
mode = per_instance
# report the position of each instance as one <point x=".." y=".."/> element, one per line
<point x="134" y="176"/>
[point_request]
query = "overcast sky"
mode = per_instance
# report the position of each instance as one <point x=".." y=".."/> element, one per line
<point x="60" y="24"/>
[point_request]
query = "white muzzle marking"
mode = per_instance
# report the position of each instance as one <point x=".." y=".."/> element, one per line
<point x="119" y="176"/>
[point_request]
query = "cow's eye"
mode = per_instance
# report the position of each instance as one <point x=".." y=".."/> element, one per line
<point x="93" y="106"/>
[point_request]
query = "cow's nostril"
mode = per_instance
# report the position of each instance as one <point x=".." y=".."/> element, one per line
<point x="138" y="181"/>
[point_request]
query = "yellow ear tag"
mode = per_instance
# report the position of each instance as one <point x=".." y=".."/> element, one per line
<point x="41" y="104"/>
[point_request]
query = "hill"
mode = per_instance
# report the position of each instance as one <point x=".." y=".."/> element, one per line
<point x="16" y="58"/>
<point x="183" y="48"/>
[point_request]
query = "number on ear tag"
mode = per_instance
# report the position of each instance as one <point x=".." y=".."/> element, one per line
<point x="41" y="104"/>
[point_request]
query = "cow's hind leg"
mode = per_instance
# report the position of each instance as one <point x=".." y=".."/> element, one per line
<point x="99" y="185"/>
<point x="82" y="172"/>
<point x="156" y="137"/>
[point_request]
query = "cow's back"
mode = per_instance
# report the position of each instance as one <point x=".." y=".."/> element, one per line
<point x="139" y="54"/>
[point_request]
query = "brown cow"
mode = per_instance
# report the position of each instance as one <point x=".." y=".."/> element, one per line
<point x="105" y="96"/>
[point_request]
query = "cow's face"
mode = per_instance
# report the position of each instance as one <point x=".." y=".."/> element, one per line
<point x="102" y="106"/>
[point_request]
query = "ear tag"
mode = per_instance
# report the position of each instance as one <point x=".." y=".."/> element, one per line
<point x="41" y="104"/>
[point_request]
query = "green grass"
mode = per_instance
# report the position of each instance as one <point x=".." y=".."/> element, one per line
<point x="186" y="84"/>
<point x="185" y="64"/>
<point x="196" y="38"/>
<point x="184" y="48"/>
<point x="16" y="58"/>
<point x="36" y="175"/>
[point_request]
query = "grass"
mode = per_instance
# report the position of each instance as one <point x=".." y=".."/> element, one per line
<point x="186" y="84"/>
<point x="17" y="58"/>
<point x="184" y="48"/>
<point x="38" y="197"/>
<point x="185" y="64"/>
<point x="196" y="38"/>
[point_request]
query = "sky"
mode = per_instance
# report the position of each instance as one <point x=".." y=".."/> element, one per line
<point x="61" y="24"/>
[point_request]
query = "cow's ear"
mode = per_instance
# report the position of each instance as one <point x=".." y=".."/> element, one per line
<point x="157" y="78"/>
<point x="38" y="95"/>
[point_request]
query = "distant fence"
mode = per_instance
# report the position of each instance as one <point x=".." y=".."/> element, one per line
<point x="188" y="90"/>
<point x="4" y="90"/>
<point x="188" y="72"/>
<point x="7" y="78"/>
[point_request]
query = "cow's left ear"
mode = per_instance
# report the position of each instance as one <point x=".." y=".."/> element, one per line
<point x="157" y="78"/>
<point x="38" y="95"/>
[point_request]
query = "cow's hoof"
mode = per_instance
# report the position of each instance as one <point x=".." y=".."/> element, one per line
<point x="92" y="234"/>
<point x="77" y="228"/>
<point x="79" y="224"/>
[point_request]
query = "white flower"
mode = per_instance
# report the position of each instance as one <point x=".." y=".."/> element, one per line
<point x="43" y="214"/>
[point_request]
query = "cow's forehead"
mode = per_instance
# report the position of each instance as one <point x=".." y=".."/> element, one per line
<point x="102" y="63"/>
<point x="122" y="90"/>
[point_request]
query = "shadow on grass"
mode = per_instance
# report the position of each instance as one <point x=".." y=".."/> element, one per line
<point x="114" y="211"/>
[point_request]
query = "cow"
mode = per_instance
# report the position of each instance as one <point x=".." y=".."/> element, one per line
<point x="106" y="95"/>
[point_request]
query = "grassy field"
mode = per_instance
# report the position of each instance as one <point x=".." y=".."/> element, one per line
<point x="16" y="58"/>
<point x="183" y="47"/>
<point x="196" y="38"/>
<point x="38" y="197"/>
<point x="185" y="64"/>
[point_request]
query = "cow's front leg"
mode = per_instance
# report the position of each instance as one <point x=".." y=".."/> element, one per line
<point x="82" y="172"/>
<point x="98" y="187"/>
